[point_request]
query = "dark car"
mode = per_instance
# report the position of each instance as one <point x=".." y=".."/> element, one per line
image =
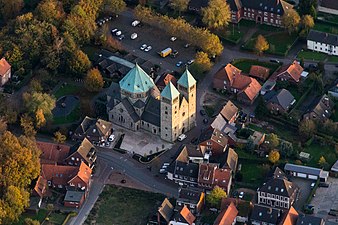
<point x="323" y="184"/>
<point x="202" y="112"/>
<point x="205" y="121"/>
<point x="333" y="212"/>
<point x="174" y="54"/>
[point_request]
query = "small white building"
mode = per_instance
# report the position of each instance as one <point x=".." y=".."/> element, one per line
<point x="306" y="172"/>
<point x="322" y="42"/>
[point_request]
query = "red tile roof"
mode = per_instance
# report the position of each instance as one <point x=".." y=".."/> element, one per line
<point x="212" y="175"/>
<point x="227" y="216"/>
<point x="187" y="215"/>
<point x="4" y="66"/>
<point x="222" y="178"/>
<point x="259" y="72"/>
<point x="165" y="79"/>
<point x="40" y="187"/>
<point x="294" y="71"/>
<point x="229" y="72"/>
<point x="52" y="153"/>
<point x="290" y="218"/>
<point x="252" y="89"/>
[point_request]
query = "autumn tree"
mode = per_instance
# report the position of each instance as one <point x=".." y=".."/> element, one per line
<point x="274" y="156"/>
<point x="114" y="6"/>
<point x="202" y="59"/>
<point x="94" y="80"/>
<point x="273" y="140"/>
<point x="39" y="101"/>
<point x="307" y="128"/>
<point x="40" y="119"/>
<point x="322" y="161"/>
<point x="3" y="125"/>
<point x="217" y="14"/>
<point x="215" y="197"/>
<point x="27" y="125"/>
<point x="261" y="44"/>
<point x="308" y="7"/>
<point x="29" y="221"/>
<point x="79" y="63"/>
<point x="291" y="20"/>
<point x="307" y="22"/>
<point x="50" y="11"/>
<point x="179" y="5"/>
<point x="10" y="9"/>
<point x="59" y="137"/>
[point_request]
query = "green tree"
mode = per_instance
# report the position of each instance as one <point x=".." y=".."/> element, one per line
<point x="307" y="128"/>
<point x="217" y="14"/>
<point x="274" y="156"/>
<point x="50" y="11"/>
<point x="307" y="6"/>
<point x="10" y="9"/>
<point x="114" y="6"/>
<point x="215" y="197"/>
<point x="261" y="110"/>
<point x="291" y="20"/>
<point x="27" y="125"/>
<point x="39" y="101"/>
<point x="94" y="80"/>
<point x="79" y="63"/>
<point x="179" y="5"/>
<point x="273" y="140"/>
<point x="59" y="137"/>
<point x="261" y="44"/>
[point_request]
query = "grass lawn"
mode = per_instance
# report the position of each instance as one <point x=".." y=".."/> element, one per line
<point x="72" y="117"/>
<point x="40" y="216"/>
<point x="333" y="58"/>
<point x="117" y="205"/>
<point x="307" y="54"/>
<point x="326" y="27"/>
<point x="67" y="89"/>
<point x="253" y="173"/>
<point x="328" y="17"/>
<point x="334" y="116"/>
<point x="316" y="151"/>
<point x="245" y="65"/>
<point x="209" y="110"/>
<point x="57" y="218"/>
<point x="280" y="42"/>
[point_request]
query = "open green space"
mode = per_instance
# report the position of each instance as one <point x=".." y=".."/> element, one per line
<point x="72" y="117"/>
<point x="68" y="89"/>
<point x="234" y="33"/>
<point x="316" y="151"/>
<point x="280" y="42"/>
<point x="117" y="205"/>
<point x="57" y="218"/>
<point x="328" y="17"/>
<point x="311" y="55"/>
<point x="252" y="172"/>
<point x="326" y="27"/>
<point x="245" y="65"/>
<point x="333" y="58"/>
<point x="40" y="216"/>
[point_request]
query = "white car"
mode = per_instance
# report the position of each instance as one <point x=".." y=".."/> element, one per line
<point x="148" y="48"/>
<point x="182" y="137"/>
<point x="111" y="138"/>
<point x="135" y="23"/>
<point x="113" y="30"/>
<point x="144" y="46"/>
<point x="241" y="195"/>
<point x="163" y="171"/>
<point x="173" y="38"/>
<point x="133" y="36"/>
<point x="166" y="164"/>
<point x="164" y="167"/>
<point x="191" y="61"/>
<point x="118" y="33"/>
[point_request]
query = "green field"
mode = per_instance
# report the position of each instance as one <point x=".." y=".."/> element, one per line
<point x="310" y="55"/>
<point x="245" y="65"/>
<point x="68" y="89"/>
<point x="72" y="117"/>
<point x="316" y="151"/>
<point x="40" y="216"/>
<point x="326" y="27"/>
<point x="252" y="172"/>
<point x="117" y="205"/>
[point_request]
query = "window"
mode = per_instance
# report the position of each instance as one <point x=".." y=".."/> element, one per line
<point x="72" y="158"/>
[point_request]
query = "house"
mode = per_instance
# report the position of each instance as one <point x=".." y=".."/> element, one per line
<point x="264" y="215"/>
<point x="164" y="80"/>
<point x="320" y="109"/>
<point x="74" y="199"/>
<point x="231" y="160"/>
<point x="193" y="199"/>
<point x="290" y="217"/>
<point x="277" y="192"/>
<point x="244" y="208"/>
<point x="259" y="72"/>
<point x="209" y="176"/>
<point x="309" y="220"/>
<point x="82" y="152"/>
<point x="279" y="102"/>
<point x="291" y="73"/>
<point x="232" y="80"/>
<point x="39" y="191"/>
<point x="95" y="130"/>
<point x="5" y="71"/>
<point x="184" y="217"/>
<point x="229" y="112"/>
<point x="52" y="153"/>
<point x="165" y="212"/>
<point x="213" y="140"/>
<point x="227" y="216"/>
<point x="306" y="172"/>
<point x="322" y="42"/>
<point x="60" y="176"/>
<point x="328" y="6"/>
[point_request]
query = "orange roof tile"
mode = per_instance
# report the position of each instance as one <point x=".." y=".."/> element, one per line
<point x="4" y="66"/>
<point x="52" y="153"/>
<point x="40" y="186"/>
<point x="294" y="70"/>
<point x="227" y="216"/>
<point x="187" y="215"/>
<point x="252" y="89"/>
<point x="165" y="79"/>
<point x="259" y="72"/>
<point x="222" y="178"/>
<point x="84" y="173"/>
<point x="229" y="72"/>
<point x="290" y="217"/>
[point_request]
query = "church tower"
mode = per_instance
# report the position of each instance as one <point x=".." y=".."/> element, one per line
<point x="170" y="119"/>
<point x="187" y="87"/>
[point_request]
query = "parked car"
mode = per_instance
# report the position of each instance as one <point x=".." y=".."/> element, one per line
<point x="135" y="23"/>
<point x="113" y="30"/>
<point x="323" y="184"/>
<point x="191" y="61"/>
<point x="241" y="195"/>
<point x="179" y="63"/>
<point x="107" y="144"/>
<point x="133" y="36"/>
<point x="111" y="138"/>
<point x="144" y="46"/>
<point x="205" y="121"/>
<point x="174" y="54"/>
<point x="121" y="37"/>
<point x="187" y="45"/>
<point x="147" y="49"/>
<point x="166" y="164"/>
<point x="313" y="185"/>
<point x="118" y="33"/>
<point x="182" y="137"/>
<point x="173" y="38"/>
<point x="274" y="61"/>
<point x="202" y="112"/>
<point x="163" y="171"/>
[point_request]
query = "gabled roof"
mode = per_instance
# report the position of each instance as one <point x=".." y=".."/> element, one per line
<point x="252" y="89"/>
<point x="303" y="169"/>
<point x="229" y="110"/>
<point x="276" y="6"/>
<point x="209" y="173"/>
<point x="227" y="216"/>
<point x="229" y="72"/>
<point x="170" y="92"/>
<point x="4" y="66"/>
<point x="130" y="109"/>
<point x="326" y="38"/>
<point x="40" y="187"/>
<point x="165" y="79"/>
<point x="280" y="187"/>
<point x="152" y="112"/>
<point x="187" y="215"/>
<point x="265" y="214"/>
<point x="259" y="72"/>
<point x="232" y="159"/>
<point x="294" y="70"/>
<point x="93" y="127"/>
<point x="235" y="5"/>
<point x="136" y="81"/>
<point x="277" y="173"/>
<point x="186" y="80"/>
<point x="190" y="195"/>
<point x="283" y="98"/>
<point x="52" y="153"/>
<point x="244" y="207"/>
<point x="166" y="210"/>
<point x="214" y="135"/>
<point x="290" y="217"/>
<point x="83" y="148"/>
<point x="322" y="107"/>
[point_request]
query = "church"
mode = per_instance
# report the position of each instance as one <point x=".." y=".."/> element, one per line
<point x="136" y="103"/>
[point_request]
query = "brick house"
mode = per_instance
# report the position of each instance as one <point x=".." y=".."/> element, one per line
<point x="74" y="199"/>
<point x="183" y="217"/>
<point x="52" y="153"/>
<point x="214" y="140"/>
<point x="82" y="152"/>
<point x="259" y="72"/>
<point x="291" y="73"/>
<point x="279" y="102"/>
<point x="193" y="199"/>
<point x="320" y="109"/>
<point x="5" y="71"/>
<point x="227" y="216"/>
<point x="164" y="80"/>
<point x="229" y="112"/>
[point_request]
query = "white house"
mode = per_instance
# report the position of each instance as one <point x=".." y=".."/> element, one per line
<point x="322" y="42"/>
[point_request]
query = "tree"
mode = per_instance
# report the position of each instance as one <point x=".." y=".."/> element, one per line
<point x="35" y="86"/>
<point x="261" y="110"/>
<point x="261" y="44"/>
<point x="114" y="6"/>
<point x="308" y="22"/>
<point x="10" y="9"/>
<point x="59" y="137"/>
<point x="27" y="125"/>
<point x="215" y="197"/>
<point x="202" y="60"/>
<point x="50" y="11"/>
<point x="39" y="101"/>
<point x="79" y="63"/>
<point x="286" y="149"/>
<point x="40" y="119"/>
<point x="273" y="140"/>
<point x="307" y="128"/>
<point x="301" y="63"/>
<point x="307" y="6"/>
<point x="322" y="161"/>
<point x="3" y="125"/>
<point x="179" y="5"/>
<point x="93" y="81"/>
<point x="29" y="221"/>
<point x="217" y="14"/>
<point x="274" y="156"/>
<point x="291" y="20"/>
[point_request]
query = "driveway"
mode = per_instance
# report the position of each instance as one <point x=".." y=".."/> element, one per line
<point x="305" y="190"/>
<point x="326" y="198"/>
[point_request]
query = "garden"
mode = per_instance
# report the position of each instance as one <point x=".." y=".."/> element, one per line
<point x="117" y="205"/>
<point x="235" y="32"/>
<point x="45" y="216"/>
<point x="245" y="65"/>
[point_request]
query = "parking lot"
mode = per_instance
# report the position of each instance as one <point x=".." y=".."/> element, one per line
<point x="157" y="38"/>
<point x="305" y="190"/>
<point x="326" y="198"/>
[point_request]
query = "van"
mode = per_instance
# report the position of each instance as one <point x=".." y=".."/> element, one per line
<point x="135" y="23"/>
<point x="182" y="137"/>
